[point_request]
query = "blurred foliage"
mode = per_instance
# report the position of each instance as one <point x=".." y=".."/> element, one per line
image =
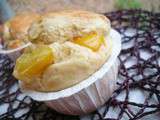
<point x="128" y="4"/>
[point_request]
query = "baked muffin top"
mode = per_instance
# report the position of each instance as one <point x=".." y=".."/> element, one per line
<point x="65" y="25"/>
<point x="70" y="47"/>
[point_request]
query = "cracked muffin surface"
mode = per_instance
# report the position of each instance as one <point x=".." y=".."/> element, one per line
<point x="65" y="25"/>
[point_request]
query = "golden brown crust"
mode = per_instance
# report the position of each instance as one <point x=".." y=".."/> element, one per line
<point x="64" y="25"/>
<point x="76" y="13"/>
<point x="17" y="27"/>
<point x="80" y="14"/>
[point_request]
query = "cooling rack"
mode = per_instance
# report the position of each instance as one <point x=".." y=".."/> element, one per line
<point x="139" y="71"/>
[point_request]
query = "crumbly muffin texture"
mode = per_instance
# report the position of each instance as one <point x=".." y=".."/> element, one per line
<point x="65" y="25"/>
<point x="80" y="45"/>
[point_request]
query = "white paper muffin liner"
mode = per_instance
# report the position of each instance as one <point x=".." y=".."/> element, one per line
<point x="13" y="54"/>
<point x="89" y="98"/>
<point x="89" y="94"/>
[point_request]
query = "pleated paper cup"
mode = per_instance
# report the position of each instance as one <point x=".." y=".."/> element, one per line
<point x="89" y="94"/>
<point x="13" y="54"/>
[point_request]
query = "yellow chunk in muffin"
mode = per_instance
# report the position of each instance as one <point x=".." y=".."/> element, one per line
<point x="91" y="40"/>
<point x="33" y="63"/>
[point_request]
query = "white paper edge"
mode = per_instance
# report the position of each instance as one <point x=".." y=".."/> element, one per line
<point x="2" y="51"/>
<point x="44" y="96"/>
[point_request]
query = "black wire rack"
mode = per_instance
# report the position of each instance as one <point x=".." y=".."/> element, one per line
<point x="146" y="26"/>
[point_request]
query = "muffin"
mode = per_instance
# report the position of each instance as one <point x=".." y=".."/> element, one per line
<point x="16" y="29"/>
<point x="71" y="61"/>
<point x="15" y="34"/>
